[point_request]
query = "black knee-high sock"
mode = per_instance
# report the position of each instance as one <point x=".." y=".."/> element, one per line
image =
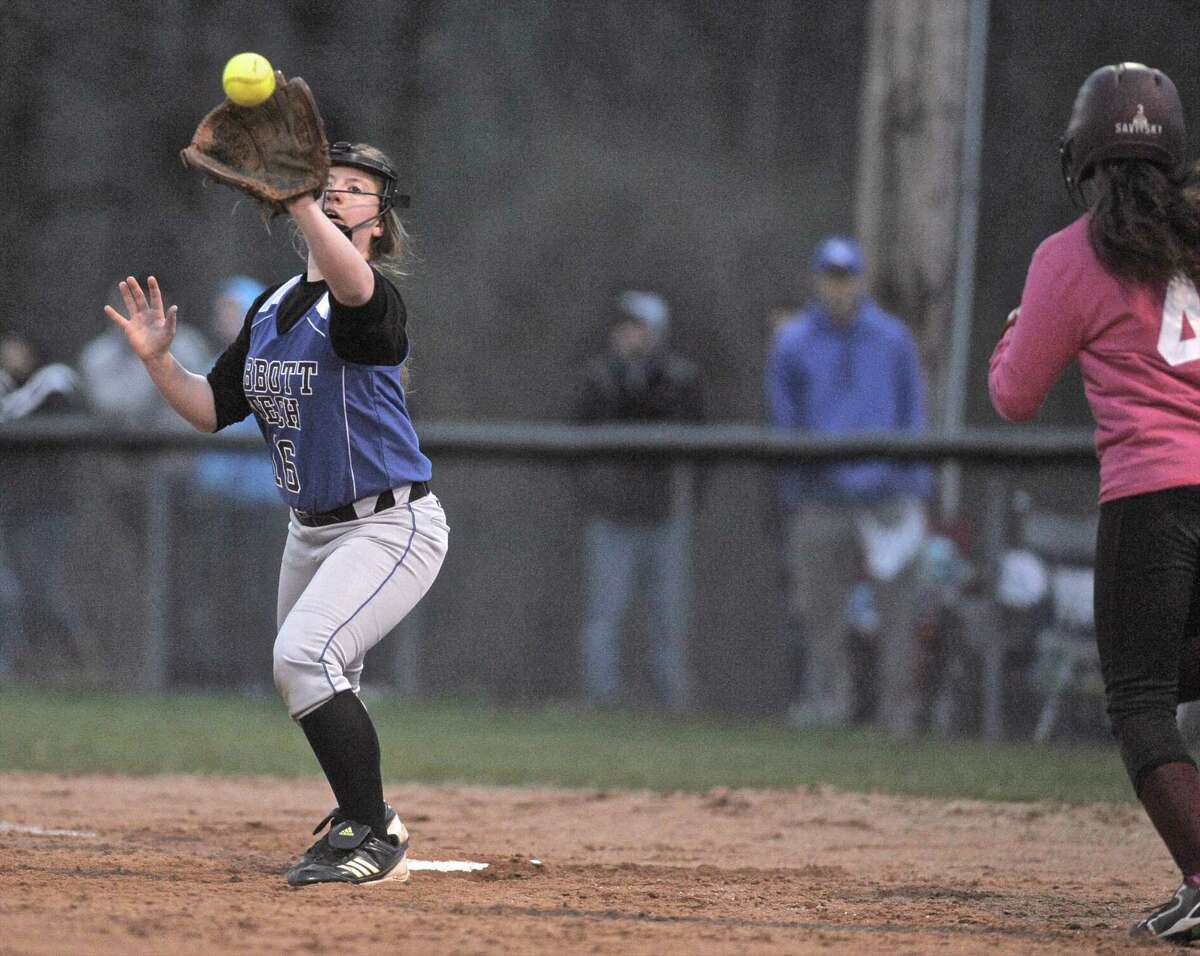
<point x="343" y="737"/>
<point x="1171" y="795"/>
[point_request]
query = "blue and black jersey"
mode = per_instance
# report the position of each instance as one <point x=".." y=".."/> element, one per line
<point x="323" y="382"/>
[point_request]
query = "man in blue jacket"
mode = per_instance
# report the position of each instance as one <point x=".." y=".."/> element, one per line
<point x="844" y="365"/>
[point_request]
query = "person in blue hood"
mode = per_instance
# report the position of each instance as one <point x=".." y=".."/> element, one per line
<point x="844" y="365"/>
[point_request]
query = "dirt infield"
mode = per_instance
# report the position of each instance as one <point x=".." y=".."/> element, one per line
<point x="189" y="864"/>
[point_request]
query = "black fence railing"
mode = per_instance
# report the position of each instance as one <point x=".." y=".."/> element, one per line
<point x="536" y="441"/>
<point x="467" y="455"/>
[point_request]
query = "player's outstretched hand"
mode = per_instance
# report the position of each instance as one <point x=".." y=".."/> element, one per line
<point x="148" y="328"/>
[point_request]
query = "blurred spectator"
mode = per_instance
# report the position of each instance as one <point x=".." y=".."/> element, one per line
<point x="116" y="385"/>
<point x="239" y="476"/>
<point x="632" y="539"/>
<point x="230" y="628"/>
<point x="779" y="313"/>
<point x="113" y="529"/>
<point x="28" y="385"/>
<point x="844" y="365"/>
<point x="32" y="578"/>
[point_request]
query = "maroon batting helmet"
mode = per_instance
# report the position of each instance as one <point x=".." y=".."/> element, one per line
<point x="1123" y="111"/>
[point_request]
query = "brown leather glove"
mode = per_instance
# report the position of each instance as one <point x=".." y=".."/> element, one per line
<point x="275" y="151"/>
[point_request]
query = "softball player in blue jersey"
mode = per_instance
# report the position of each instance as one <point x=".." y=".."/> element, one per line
<point x="318" y="363"/>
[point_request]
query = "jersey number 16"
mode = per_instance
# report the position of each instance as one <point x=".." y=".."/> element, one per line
<point x="283" y="463"/>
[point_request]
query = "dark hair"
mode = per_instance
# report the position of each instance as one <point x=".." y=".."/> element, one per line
<point x="1122" y="111"/>
<point x="1145" y="221"/>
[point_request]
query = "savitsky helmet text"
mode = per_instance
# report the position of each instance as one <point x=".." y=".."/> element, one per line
<point x="1122" y="111"/>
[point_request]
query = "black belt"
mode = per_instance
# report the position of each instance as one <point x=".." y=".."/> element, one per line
<point x="417" y="490"/>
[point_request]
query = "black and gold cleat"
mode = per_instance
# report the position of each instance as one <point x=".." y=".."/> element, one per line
<point x="351" y="853"/>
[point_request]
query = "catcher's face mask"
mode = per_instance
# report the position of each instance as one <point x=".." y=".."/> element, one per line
<point x="352" y="201"/>
<point x="344" y="154"/>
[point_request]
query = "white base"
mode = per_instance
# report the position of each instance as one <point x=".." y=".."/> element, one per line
<point x="446" y="866"/>
<point x="6" y="827"/>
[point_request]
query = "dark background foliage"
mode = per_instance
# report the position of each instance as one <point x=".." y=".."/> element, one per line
<point x="557" y="152"/>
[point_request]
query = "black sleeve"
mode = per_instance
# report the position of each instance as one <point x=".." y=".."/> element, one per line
<point x="374" y="333"/>
<point x="226" y="375"/>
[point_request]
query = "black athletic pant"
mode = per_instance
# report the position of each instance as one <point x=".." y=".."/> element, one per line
<point x="1147" y="606"/>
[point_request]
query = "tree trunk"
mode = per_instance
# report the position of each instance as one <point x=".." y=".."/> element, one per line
<point x="909" y="172"/>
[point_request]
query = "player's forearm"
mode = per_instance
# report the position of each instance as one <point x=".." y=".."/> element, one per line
<point x="186" y="392"/>
<point x="346" y="272"/>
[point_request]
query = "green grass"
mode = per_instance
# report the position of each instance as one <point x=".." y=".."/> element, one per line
<point x="442" y="742"/>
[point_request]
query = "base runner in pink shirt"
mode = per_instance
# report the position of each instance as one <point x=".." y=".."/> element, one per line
<point x="1116" y="290"/>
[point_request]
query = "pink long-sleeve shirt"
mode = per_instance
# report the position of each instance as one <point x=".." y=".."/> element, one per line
<point x="1139" y="351"/>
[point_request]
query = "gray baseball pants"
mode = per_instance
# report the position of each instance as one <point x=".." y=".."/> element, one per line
<point x="343" y="588"/>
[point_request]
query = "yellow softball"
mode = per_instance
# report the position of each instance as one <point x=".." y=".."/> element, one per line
<point x="248" y="79"/>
